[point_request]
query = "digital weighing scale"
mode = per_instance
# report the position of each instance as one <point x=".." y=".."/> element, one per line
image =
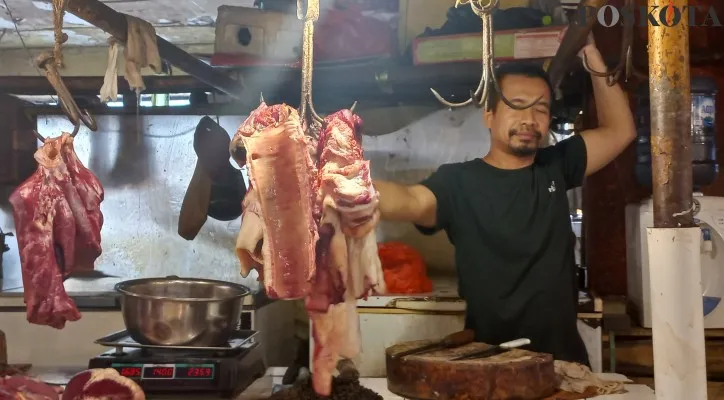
<point x="225" y="370"/>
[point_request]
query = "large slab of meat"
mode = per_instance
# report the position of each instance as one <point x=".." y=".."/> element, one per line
<point x="58" y="222"/>
<point x="280" y="198"/>
<point x="292" y="229"/>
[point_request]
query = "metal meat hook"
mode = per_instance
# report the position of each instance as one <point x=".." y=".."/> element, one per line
<point x="480" y="95"/>
<point x="625" y="63"/>
<point x="310" y="16"/>
<point x="41" y="138"/>
<point x="46" y="62"/>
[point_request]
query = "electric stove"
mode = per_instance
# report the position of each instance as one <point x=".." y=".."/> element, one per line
<point x="224" y="370"/>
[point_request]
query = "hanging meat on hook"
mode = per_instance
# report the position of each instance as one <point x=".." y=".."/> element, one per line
<point x="348" y="264"/>
<point x="291" y="230"/>
<point x="302" y="168"/>
<point x="58" y="222"/>
<point x="277" y="209"/>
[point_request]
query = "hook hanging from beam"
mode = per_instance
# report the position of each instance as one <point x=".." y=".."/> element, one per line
<point x="46" y="62"/>
<point x="481" y="96"/>
<point x="310" y="15"/>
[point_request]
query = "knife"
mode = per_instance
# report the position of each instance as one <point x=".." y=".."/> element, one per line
<point x="495" y="350"/>
<point x="456" y="339"/>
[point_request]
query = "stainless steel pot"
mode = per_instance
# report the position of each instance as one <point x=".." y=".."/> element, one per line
<point x="175" y="311"/>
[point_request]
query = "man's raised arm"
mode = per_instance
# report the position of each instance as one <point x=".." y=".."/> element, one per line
<point x="412" y="203"/>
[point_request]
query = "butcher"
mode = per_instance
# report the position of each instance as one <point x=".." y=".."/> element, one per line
<point x="507" y="213"/>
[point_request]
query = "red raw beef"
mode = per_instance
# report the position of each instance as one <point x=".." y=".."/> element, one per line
<point x="58" y="220"/>
<point x="348" y="265"/>
<point x="292" y="224"/>
<point x="84" y="194"/>
<point x="27" y="388"/>
<point x="102" y="383"/>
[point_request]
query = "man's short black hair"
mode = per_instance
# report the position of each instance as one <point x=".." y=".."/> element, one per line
<point x="527" y="69"/>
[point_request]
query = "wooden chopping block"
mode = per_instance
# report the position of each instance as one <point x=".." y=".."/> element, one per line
<point x="517" y="374"/>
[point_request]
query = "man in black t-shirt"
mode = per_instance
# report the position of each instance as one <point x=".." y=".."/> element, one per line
<point x="507" y="213"/>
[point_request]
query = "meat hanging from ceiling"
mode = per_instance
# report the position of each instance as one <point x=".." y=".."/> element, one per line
<point x="280" y="231"/>
<point x="58" y="221"/>
<point x="292" y="232"/>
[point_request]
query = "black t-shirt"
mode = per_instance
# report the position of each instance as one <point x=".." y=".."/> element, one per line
<point x="514" y="247"/>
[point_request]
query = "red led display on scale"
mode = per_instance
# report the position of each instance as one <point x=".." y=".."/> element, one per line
<point x="168" y="371"/>
<point x="130" y="372"/>
<point x="158" y="372"/>
<point x="195" y="372"/>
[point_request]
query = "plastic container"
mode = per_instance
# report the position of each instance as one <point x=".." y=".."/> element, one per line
<point x="703" y="133"/>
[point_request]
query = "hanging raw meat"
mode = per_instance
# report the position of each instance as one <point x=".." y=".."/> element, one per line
<point x="281" y="176"/>
<point x="58" y="222"/>
<point x="84" y="194"/>
<point x="348" y="265"/>
<point x="292" y="230"/>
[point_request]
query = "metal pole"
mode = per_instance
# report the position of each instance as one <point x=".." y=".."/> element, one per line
<point x="674" y="242"/>
<point x="670" y="93"/>
<point x="114" y="23"/>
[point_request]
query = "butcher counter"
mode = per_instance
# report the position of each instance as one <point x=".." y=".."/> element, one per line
<point x="261" y="389"/>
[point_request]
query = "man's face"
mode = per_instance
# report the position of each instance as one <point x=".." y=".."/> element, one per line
<point x="520" y="132"/>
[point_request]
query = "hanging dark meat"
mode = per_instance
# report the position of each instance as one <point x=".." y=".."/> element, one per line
<point x="296" y="190"/>
<point x="58" y="222"/>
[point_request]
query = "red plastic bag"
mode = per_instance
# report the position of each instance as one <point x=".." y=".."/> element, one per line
<point x="404" y="269"/>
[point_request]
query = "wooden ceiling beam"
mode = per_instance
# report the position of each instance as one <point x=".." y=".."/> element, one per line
<point x="114" y="23"/>
<point x="90" y="85"/>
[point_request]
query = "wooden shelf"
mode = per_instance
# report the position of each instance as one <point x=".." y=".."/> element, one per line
<point x="375" y="83"/>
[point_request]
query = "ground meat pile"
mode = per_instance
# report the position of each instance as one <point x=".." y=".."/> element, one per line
<point x="342" y="389"/>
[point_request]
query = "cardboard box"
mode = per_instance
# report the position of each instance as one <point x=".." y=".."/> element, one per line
<point x="508" y="45"/>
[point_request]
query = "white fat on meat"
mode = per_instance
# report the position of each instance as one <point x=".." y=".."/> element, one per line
<point x="250" y="244"/>
<point x="102" y="384"/>
<point x="294" y="204"/>
<point x="343" y="254"/>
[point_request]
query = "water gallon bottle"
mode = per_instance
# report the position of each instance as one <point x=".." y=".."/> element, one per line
<point x="703" y="133"/>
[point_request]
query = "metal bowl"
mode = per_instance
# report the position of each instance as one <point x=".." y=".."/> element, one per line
<point x="175" y="311"/>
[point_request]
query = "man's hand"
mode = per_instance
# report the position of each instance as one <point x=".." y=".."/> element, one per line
<point x="591" y="56"/>
<point x="359" y="220"/>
